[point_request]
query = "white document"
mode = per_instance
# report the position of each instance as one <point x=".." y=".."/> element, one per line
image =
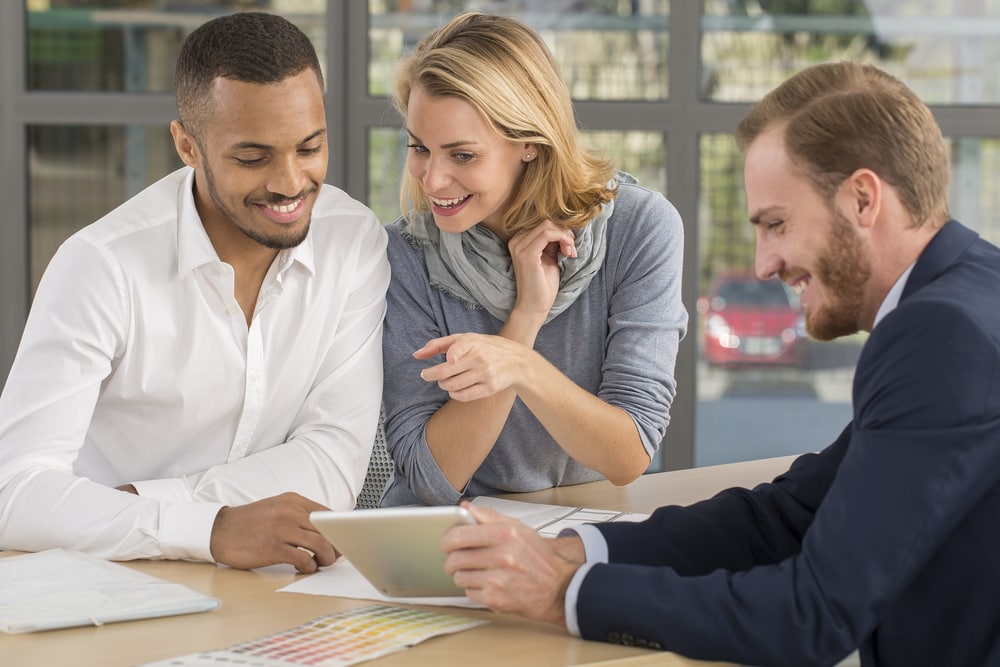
<point x="343" y="580"/>
<point x="549" y="520"/>
<point x="60" y="589"/>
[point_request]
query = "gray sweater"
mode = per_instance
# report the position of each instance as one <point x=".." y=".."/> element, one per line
<point x="618" y="341"/>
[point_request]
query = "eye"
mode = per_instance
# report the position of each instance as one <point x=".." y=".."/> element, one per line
<point x="310" y="151"/>
<point x="775" y="225"/>
<point x="418" y="149"/>
<point x="250" y="162"/>
<point x="464" y="157"/>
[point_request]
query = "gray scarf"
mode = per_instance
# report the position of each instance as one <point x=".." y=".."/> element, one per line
<point x="475" y="266"/>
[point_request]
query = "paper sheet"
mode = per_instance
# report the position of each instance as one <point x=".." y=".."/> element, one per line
<point x="343" y="580"/>
<point x="60" y="589"/>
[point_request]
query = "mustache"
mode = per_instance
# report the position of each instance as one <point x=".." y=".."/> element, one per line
<point x="277" y="200"/>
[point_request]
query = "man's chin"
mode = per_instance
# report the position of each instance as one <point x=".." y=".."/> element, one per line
<point x="825" y="329"/>
<point x="289" y="239"/>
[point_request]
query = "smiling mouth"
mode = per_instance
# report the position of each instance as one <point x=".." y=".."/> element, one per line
<point x="448" y="203"/>
<point x="285" y="208"/>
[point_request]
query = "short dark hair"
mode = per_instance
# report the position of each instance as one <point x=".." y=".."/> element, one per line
<point x="253" y="47"/>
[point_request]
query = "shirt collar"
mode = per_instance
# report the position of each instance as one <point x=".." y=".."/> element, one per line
<point x="195" y="249"/>
<point x="892" y="298"/>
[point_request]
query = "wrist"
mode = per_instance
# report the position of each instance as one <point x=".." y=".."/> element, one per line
<point x="523" y="326"/>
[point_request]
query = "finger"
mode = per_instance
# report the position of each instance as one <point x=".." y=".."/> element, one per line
<point x="322" y="552"/>
<point x="442" y="373"/>
<point x="301" y="559"/>
<point x="309" y="505"/>
<point x="485" y="515"/>
<point x="436" y="346"/>
<point x="567" y="246"/>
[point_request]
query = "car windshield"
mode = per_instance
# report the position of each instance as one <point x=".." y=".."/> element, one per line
<point x="754" y="293"/>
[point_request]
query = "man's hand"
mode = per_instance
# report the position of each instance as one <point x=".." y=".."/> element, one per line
<point x="507" y="566"/>
<point x="270" y="531"/>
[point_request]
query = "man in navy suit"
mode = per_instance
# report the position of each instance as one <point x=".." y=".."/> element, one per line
<point x="888" y="540"/>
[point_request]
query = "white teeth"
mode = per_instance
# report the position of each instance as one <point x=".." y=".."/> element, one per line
<point x="799" y="287"/>
<point x="447" y="203"/>
<point x="286" y="208"/>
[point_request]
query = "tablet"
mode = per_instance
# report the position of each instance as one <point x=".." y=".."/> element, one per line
<point x="397" y="549"/>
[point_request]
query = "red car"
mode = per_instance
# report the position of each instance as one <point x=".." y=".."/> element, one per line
<point x="752" y="322"/>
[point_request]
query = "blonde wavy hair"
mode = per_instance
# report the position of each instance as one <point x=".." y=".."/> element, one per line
<point x="504" y="69"/>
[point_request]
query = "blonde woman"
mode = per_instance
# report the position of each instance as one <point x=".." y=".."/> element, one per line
<point x="534" y="310"/>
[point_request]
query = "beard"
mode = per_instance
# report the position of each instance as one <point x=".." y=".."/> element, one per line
<point x="843" y="270"/>
<point x="276" y="241"/>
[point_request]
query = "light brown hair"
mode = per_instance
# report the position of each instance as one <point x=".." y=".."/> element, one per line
<point x="845" y="116"/>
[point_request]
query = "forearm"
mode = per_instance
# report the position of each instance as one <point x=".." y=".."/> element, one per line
<point x="461" y="434"/>
<point x="55" y="509"/>
<point x="599" y="435"/>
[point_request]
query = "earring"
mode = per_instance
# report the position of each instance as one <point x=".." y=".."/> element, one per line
<point x="529" y="156"/>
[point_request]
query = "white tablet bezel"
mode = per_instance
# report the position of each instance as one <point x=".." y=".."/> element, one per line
<point x="397" y="549"/>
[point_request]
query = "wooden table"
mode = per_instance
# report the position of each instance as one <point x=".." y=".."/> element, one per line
<point x="251" y="607"/>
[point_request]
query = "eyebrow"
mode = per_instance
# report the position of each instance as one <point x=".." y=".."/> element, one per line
<point x="253" y="145"/>
<point x="453" y="144"/>
<point x="755" y="219"/>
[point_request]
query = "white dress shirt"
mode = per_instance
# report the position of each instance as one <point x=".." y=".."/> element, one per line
<point x="137" y="366"/>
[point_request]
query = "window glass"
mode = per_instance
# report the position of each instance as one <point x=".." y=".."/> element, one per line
<point x="124" y="45"/>
<point x="607" y="49"/>
<point x="76" y="174"/>
<point x="764" y="388"/>
<point x="946" y="50"/>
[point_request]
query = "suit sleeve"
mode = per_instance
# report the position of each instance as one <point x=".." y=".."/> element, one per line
<point x="920" y="458"/>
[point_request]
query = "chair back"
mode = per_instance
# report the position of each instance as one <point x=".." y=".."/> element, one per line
<point x="379" y="469"/>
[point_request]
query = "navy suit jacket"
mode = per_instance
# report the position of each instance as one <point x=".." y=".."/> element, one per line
<point x="888" y="540"/>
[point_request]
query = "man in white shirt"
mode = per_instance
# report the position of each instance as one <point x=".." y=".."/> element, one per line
<point x="201" y="368"/>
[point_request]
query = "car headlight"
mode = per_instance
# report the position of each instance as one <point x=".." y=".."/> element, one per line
<point x="716" y="327"/>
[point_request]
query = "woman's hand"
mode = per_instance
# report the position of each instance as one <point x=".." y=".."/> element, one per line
<point x="535" y="257"/>
<point x="475" y="365"/>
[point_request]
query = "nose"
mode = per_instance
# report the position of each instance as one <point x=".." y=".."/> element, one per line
<point x="287" y="177"/>
<point x="435" y="177"/>
<point x="766" y="262"/>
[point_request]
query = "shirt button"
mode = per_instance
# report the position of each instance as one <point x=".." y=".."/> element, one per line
<point x="614" y="638"/>
<point x="628" y="640"/>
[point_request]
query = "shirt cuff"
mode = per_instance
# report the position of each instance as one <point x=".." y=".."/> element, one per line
<point x="185" y="530"/>
<point x="595" y="549"/>
<point x="572" y="593"/>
